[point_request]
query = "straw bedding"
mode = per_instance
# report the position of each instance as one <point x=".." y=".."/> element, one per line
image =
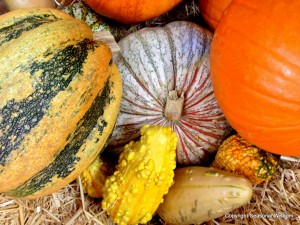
<point x="276" y="201"/>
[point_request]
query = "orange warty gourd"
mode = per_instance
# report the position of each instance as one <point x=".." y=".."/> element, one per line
<point x="238" y="156"/>
<point x="132" y="11"/>
<point x="255" y="67"/>
<point x="212" y="10"/>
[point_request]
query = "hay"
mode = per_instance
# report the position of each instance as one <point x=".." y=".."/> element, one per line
<point x="68" y="206"/>
<point x="274" y="202"/>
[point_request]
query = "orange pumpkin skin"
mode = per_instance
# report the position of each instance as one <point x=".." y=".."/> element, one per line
<point x="132" y="11"/>
<point x="212" y="10"/>
<point x="255" y="68"/>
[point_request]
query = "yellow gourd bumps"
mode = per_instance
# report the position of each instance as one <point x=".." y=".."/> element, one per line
<point x="93" y="177"/>
<point x="238" y="156"/>
<point x="143" y="175"/>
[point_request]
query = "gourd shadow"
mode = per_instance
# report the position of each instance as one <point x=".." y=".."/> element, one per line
<point x="3" y="8"/>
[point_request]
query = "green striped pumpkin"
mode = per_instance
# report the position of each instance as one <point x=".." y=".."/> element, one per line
<point x="166" y="81"/>
<point x="59" y="99"/>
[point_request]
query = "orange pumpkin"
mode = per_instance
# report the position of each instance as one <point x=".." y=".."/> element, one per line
<point x="212" y="10"/>
<point x="255" y="68"/>
<point x="132" y="11"/>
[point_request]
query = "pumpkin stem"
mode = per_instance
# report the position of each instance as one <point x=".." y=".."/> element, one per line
<point x="106" y="37"/>
<point x="174" y="105"/>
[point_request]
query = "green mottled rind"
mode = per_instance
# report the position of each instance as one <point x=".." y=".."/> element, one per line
<point x="83" y="12"/>
<point x="65" y="161"/>
<point x="56" y="101"/>
<point x="33" y="108"/>
<point x="268" y="165"/>
<point x="26" y="24"/>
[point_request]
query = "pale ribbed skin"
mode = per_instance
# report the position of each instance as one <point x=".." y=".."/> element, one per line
<point x="155" y="60"/>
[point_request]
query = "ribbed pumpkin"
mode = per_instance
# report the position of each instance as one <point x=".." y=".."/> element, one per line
<point x="255" y="65"/>
<point x="212" y="10"/>
<point x="166" y="81"/>
<point x="132" y="11"/>
<point x="60" y="95"/>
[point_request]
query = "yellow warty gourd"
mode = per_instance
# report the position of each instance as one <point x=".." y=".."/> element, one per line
<point x="93" y="177"/>
<point x="143" y="176"/>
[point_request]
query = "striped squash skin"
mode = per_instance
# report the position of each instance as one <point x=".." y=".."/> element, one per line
<point x="57" y="106"/>
<point x="83" y="148"/>
<point x="18" y="22"/>
<point x="153" y="61"/>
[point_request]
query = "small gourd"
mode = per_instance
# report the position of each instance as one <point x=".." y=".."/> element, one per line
<point x="94" y="177"/>
<point x="143" y="176"/>
<point x="201" y="194"/>
<point x="236" y="155"/>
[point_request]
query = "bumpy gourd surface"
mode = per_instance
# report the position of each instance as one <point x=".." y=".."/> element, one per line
<point x="143" y="175"/>
<point x="94" y="177"/>
<point x="238" y="156"/>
